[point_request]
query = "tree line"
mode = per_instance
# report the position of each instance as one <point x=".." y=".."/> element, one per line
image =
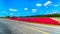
<point x="49" y="15"/>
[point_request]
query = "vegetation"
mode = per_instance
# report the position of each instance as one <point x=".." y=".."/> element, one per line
<point x="49" y="15"/>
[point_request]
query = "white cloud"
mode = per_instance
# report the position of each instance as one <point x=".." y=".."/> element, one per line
<point x="47" y="3"/>
<point x="34" y="10"/>
<point x="50" y="13"/>
<point x="53" y="12"/>
<point x="55" y="5"/>
<point x="39" y="5"/>
<point x="47" y="7"/>
<point x="13" y="9"/>
<point x="11" y="14"/>
<point x="47" y="12"/>
<point x="4" y="12"/>
<point x="25" y="8"/>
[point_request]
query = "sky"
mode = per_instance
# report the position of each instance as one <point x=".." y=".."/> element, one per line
<point x="28" y="7"/>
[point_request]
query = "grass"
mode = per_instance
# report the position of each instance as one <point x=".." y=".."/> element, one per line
<point x="56" y="18"/>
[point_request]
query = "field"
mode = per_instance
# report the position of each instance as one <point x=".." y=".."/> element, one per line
<point x="56" y="18"/>
<point x="40" y="20"/>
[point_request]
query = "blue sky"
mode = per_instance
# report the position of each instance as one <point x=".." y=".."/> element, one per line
<point x="28" y="7"/>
